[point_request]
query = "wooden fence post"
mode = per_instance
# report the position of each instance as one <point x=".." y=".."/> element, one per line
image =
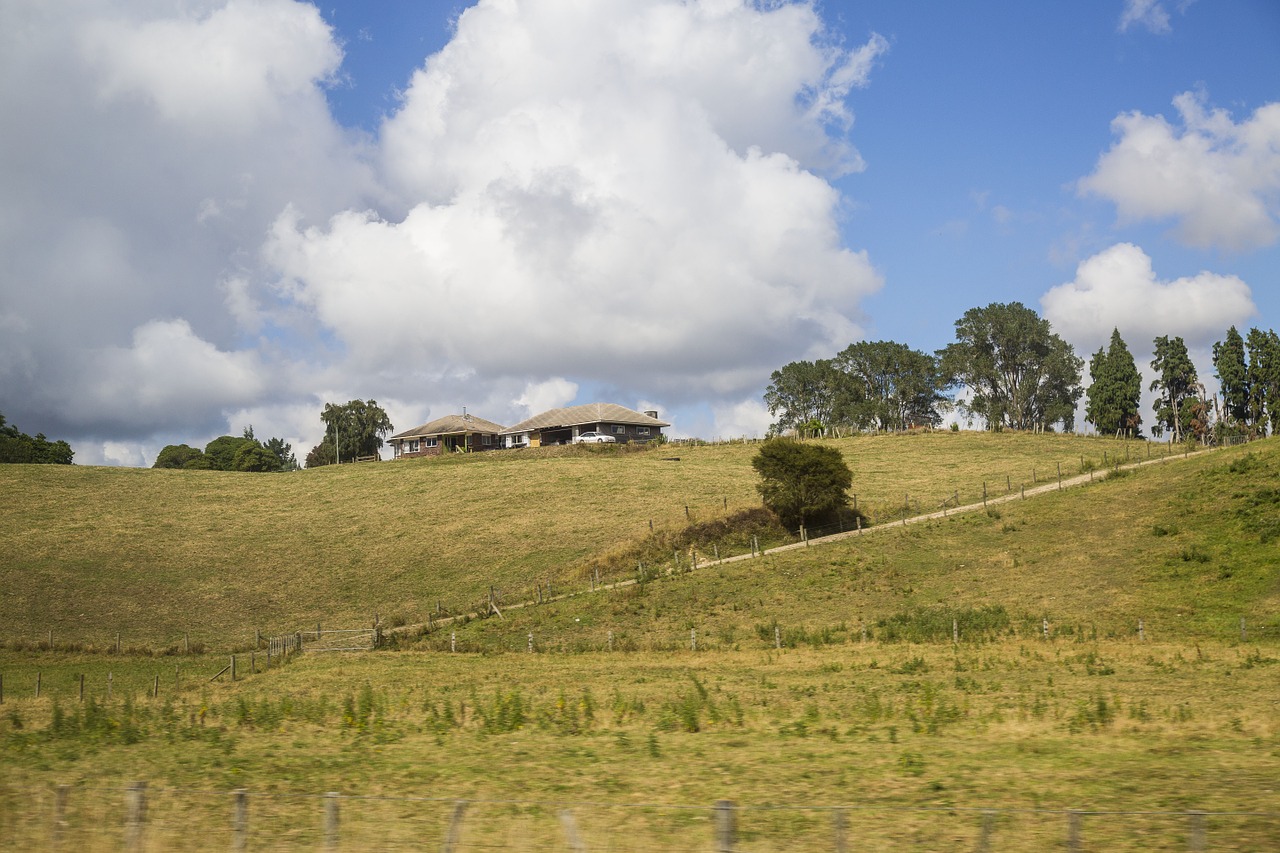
<point x="1197" y="840"/>
<point x="60" y="814"/>
<point x="331" y="820"/>
<point x="726" y="826"/>
<point x="455" y="827"/>
<point x="135" y="805"/>
<point x="239" y="820"/>
<point x="570" y="827"/>
<point x="984" y="834"/>
<point x="838" y="831"/>
<point x="777" y="637"/>
<point x="110" y="680"/>
<point x="693" y="639"/>
<point x="82" y="687"/>
<point x="1073" y="830"/>
<point x="38" y="674"/>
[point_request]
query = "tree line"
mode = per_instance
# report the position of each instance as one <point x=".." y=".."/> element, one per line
<point x="1008" y="368"/>
<point x="18" y="447"/>
<point x="352" y="430"/>
<point x="229" y="453"/>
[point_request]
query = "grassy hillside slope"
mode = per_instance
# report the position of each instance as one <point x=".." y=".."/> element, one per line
<point x="88" y="552"/>
<point x="914" y="734"/>
<point x="1189" y="547"/>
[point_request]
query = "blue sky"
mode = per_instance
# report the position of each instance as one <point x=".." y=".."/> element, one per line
<point x="220" y="214"/>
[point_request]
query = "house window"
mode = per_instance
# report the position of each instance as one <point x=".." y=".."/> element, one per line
<point x="432" y="442"/>
<point x="411" y="446"/>
<point x="642" y="430"/>
<point x="487" y="440"/>
<point x="619" y="429"/>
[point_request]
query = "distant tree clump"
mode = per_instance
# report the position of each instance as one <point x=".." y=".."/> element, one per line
<point x="808" y="395"/>
<point x="802" y="482"/>
<point x="178" y="456"/>
<point x="19" y="447"/>
<point x="1248" y="370"/>
<point x="880" y="385"/>
<point x="229" y="453"/>
<point x="897" y="387"/>
<point x="1019" y="373"/>
<point x="352" y="431"/>
<point x="1111" y="403"/>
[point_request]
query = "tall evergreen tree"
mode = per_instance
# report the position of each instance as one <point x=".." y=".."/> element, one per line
<point x="1113" y="397"/>
<point x="1233" y="374"/>
<point x="1264" y="379"/>
<point x="1176" y="383"/>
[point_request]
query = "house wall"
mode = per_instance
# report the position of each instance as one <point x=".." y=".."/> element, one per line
<point x="444" y="445"/>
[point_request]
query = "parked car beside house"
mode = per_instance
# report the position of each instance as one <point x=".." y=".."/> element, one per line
<point x="608" y="421"/>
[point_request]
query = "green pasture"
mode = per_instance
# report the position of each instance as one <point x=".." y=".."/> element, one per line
<point x="160" y="555"/>
<point x="887" y="728"/>
<point x="896" y="687"/>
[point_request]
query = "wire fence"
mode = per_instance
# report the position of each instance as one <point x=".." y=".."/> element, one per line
<point x="141" y="818"/>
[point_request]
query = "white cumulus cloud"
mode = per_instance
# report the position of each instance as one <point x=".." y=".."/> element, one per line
<point x="1118" y="288"/>
<point x="1218" y="179"/>
<point x="629" y="197"/>
<point x="1150" y="14"/>
<point x="614" y="193"/>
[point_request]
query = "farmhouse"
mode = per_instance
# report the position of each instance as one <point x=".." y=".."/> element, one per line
<point x="453" y="433"/>
<point x="561" y="426"/>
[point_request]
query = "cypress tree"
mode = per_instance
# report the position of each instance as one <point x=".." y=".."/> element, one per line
<point x="1113" y="396"/>
<point x="1229" y="364"/>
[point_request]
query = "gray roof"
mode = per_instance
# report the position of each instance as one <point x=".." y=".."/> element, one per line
<point x="589" y="413"/>
<point x="451" y="425"/>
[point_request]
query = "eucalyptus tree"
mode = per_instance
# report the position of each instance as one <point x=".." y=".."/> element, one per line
<point x="898" y="387"/>
<point x="1018" y="372"/>
<point x="809" y="394"/>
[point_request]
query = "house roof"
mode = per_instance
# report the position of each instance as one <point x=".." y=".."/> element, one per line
<point x="451" y="425"/>
<point x="590" y="413"/>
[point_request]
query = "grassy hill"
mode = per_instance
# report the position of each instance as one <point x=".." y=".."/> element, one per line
<point x="153" y="554"/>
<point x="927" y="743"/>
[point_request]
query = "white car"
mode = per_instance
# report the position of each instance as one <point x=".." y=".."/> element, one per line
<point x="593" y="438"/>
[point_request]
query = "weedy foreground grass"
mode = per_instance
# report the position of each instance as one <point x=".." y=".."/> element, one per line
<point x="890" y="730"/>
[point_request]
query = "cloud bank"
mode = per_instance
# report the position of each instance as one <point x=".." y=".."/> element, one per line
<point x="628" y="197"/>
<point x="1118" y="288"/>
<point x="1219" y="180"/>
